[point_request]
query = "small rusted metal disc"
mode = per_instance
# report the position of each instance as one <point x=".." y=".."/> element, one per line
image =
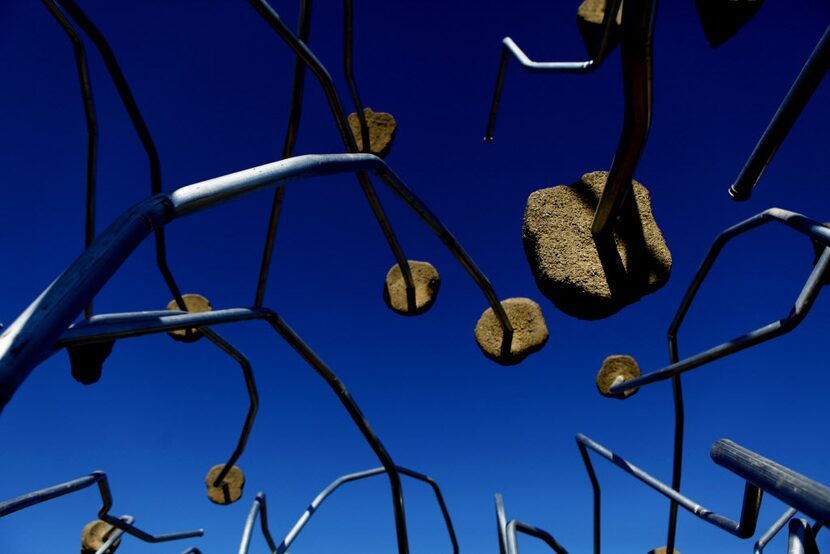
<point x="194" y="303"/>
<point x="230" y="490"/>
<point x="613" y="367"/>
<point x="426" y="280"/>
<point x="529" y="331"/>
<point x="95" y="534"/>
<point x="662" y="550"/>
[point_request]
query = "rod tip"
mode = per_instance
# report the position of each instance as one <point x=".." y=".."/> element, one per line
<point x="738" y="194"/>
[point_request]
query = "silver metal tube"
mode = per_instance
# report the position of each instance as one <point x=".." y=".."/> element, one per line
<point x="30" y="338"/>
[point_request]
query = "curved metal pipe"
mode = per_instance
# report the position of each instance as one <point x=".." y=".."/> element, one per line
<point x="99" y="478"/>
<point x="258" y="506"/>
<point x="772" y="531"/>
<point x="785" y="117"/>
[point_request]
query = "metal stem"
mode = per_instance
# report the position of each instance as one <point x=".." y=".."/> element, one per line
<point x="99" y="478"/>
<point x="785" y="117"/>
<point x="114" y="536"/>
<point x="532" y="531"/>
<point x="258" y="505"/>
<point x="772" y="531"/>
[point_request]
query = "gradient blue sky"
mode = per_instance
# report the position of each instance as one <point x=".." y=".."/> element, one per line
<point x="213" y="83"/>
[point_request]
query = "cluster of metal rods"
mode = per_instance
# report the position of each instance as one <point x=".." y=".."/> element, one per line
<point x="635" y="45"/>
<point x="37" y="334"/>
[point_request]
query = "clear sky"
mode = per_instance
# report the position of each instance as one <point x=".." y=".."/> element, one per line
<point x="213" y="82"/>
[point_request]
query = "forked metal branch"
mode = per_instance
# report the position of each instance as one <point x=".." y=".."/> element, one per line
<point x="258" y="507"/>
<point x="99" y="478"/>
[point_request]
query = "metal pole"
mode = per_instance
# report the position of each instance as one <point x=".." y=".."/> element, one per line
<point x="799" y="94"/>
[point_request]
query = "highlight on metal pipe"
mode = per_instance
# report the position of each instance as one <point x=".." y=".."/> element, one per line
<point x="804" y="225"/>
<point x="802" y="493"/>
<point x="785" y="117"/>
<point x="260" y="507"/>
<point x="32" y="337"/>
<point x="334" y="485"/>
<point x="99" y="478"/>
<point x="510" y="48"/>
<point x="303" y="53"/>
<point x="770" y="533"/>
<point x="137" y="120"/>
<point x="750" y="506"/>
<point x="801" y="538"/>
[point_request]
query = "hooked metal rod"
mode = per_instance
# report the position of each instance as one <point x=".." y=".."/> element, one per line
<point x="744" y="528"/>
<point x="509" y="47"/>
<point x="337" y="483"/>
<point x="508" y="543"/>
<point x="99" y="478"/>
<point x="807" y="496"/>
<point x="785" y="117"/>
<point x="30" y="338"/>
<point x="91" y="124"/>
<point x="324" y="78"/>
<point x="260" y="507"/>
<point x="137" y="120"/>
<point x="813" y="229"/>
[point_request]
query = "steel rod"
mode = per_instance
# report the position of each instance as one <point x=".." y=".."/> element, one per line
<point x="807" y="496"/>
<point x="532" y="531"/>
<point x="785" y="117"/>
<point x="137" y="120"/>
<point x="337" y="483"/>
<point x="30" y="338"/>
<point x="324" y="78"/>
<point x="509" y="47"/>
<point x="258" y="507"/>
<point x="744" y="528"/>
<point x="99" y="478"/>
<point x="814" y="230"/>
<point x="115" y="536"/>
<point x="91" y="124"/>
<point x="339" y="388"/>
<point x="253" y="400"/>
<point x="770" y="533"/>
<point x="290" y="141"/>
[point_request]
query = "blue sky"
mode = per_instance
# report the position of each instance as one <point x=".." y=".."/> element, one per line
<point x="213" y="83"/>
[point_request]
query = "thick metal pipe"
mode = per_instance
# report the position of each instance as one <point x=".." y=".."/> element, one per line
<point x="636" y="50"/>
<point x="807" y="496"/>
<point x="785" y="117"/>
